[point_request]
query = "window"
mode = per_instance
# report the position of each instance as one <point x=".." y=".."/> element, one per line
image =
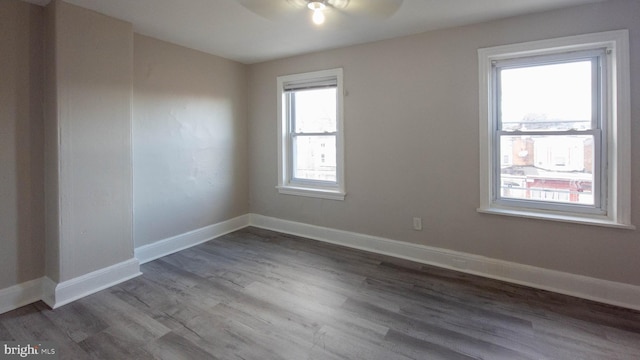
<point x="553" y="105"/>
<point x="310" y="147"/>
<point x="554" y="122"/>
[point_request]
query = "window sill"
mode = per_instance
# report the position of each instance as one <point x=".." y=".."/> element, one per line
<point x="312" y="192"/>
<point x="576" y="219"/>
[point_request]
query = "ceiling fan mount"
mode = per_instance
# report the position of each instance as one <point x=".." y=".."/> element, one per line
<point x="314" y="4"/>
<point x="284" y="9"/>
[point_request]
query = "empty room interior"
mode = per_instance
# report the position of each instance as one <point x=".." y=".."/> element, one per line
<point x="337" y="179"/>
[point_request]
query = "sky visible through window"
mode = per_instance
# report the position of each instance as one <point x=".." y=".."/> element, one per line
<point x="315" y="110"/>
<point x="555" y="92"/>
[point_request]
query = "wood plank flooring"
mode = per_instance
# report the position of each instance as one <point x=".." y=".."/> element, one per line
<point x="257" y="294"/>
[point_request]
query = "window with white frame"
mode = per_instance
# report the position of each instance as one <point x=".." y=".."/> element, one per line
<point x="310" y="147"/>
<point x="554" y="120"/>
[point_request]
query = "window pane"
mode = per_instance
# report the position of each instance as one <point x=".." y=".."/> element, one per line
<point x="314" y="158"/>
<point x="315" y="111"/>
<point x="547" y="97"/>
<point x="557" y="168"/>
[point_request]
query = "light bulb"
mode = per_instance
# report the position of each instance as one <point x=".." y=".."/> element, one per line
<point x="318" y="17"/>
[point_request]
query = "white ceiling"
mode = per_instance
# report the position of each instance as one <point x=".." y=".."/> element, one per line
<point x="228" y="29"/>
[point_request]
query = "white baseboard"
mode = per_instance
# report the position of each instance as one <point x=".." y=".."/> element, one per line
<point x="604" y="291"/>
<point x="56" y="295"/>
<point x="19" y="295"/>
<point x="176" y="243"/>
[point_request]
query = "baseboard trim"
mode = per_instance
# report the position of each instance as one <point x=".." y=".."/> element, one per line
<point x="20" y="295"/>
<point x="176" y="243"/>
<point x="59" y="294"/>
<point x="608" y="292"/>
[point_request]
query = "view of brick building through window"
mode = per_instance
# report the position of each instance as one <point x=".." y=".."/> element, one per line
<point x="551" y="169"/>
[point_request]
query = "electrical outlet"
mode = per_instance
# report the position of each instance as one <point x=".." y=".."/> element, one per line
<point x="417" y="223"/>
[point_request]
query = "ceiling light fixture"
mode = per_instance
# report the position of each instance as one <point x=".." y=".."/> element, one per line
<point x="317" y="7"/>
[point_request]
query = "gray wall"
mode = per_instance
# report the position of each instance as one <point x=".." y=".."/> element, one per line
<point x="191" y="165"/>
<point x="411" y="146"/>
<point x="190" y="140"/>
<point x="21" y="153"/>
<point x="204" y="143"/>
<point x="50" y="113"/>
<point x="91" y="123"/>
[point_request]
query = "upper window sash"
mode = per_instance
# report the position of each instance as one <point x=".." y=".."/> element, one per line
<point x="596" y="57"/>
<point x="290" y="99"/>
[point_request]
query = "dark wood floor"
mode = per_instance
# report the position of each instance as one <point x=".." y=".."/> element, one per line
<point x="256" y="294"/>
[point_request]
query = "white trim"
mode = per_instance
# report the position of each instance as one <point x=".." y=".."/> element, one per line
<point x="20" y="295"/>
<point x="48" y="291"/>
<point x="556" y="216"/>
<point x="59" y="294"/>
<point x="56" y="295"/>
<point x="604" y="291"/>
<point x="618" y="205"/>
<point x="317" y="193"/>
<point x="176" y="243"/>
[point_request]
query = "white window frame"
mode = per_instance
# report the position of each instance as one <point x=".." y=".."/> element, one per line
<point x="287" y="184"/>
<point x="615" y="204"/>
<point x="597" y="58"/>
